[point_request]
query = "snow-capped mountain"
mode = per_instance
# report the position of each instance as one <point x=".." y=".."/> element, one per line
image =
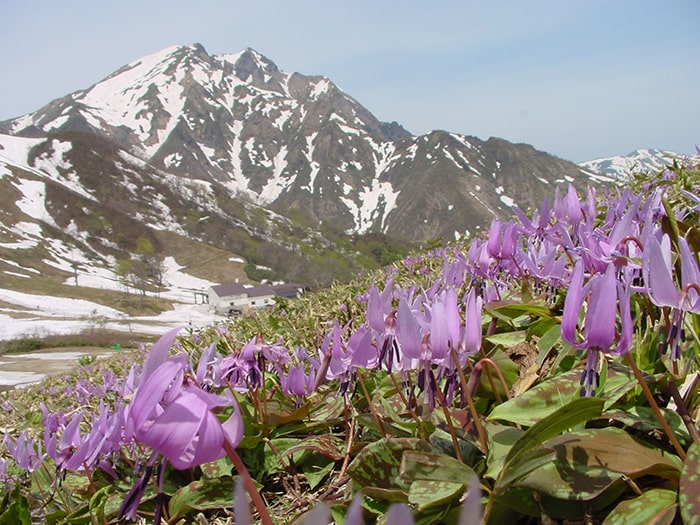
<point x="639" y="161"/>
<point x="230" y="151"/>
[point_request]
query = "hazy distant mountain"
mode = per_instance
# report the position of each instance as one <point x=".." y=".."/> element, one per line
<point x="638" y="161"/>
<point x="229" y="150"/>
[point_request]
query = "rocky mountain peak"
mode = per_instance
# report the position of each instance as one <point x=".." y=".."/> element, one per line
<point x="191" y="142"/>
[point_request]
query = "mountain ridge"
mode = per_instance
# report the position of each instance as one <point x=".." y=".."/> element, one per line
<point x="277" y="168"/>
<point x="641" y="160"/>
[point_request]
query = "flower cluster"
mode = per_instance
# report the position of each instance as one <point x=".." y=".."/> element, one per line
<point x="604" y="256"/>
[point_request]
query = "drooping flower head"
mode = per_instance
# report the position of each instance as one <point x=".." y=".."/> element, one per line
<point x="603" y="305"/>
<point x="658" y="271"/>
<point x="171" y="414"/>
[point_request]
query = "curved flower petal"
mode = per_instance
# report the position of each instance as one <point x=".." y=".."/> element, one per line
<point x="601" y="316"/>
<point x="572" y="306"/>
<point x="408" y="331"/>
<point x="656" y="268"/>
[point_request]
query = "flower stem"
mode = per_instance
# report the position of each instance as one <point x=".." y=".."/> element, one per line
<point x="682" y="409"/>
<point x="472" y="407"/>
<point x="248" y="482"/>
<point x="377" y="420"/>
<point x="655" y="408"/>
<point x="491" y="363"/>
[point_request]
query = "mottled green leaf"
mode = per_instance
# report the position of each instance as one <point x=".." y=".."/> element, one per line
<point x="654" y="507"/>
<point x="384" y="495"/>
<point x="277" y="414"/>
<point x="509" y="369"/>
<point x="273" y="460"/>
<point x="689" y="493"/>
<point x="507" y="339"/>
<point x="218" y="468"/>
<point x="427" y="493"/>
<point x="378" y="464"/>
<point x="644" y="420"/>
<point x="574" y="413"/>
<point x="589" y="461"/>
<point x="418" y="465"/>
<point x="97" y="505"/>
<point x="501" y="439"/>
<point x="15" y="509"/>
<point x="516" y="309"/>
<point x="532" y="460"/>
<point x="203" y="494"/>
<point x="316" y="473"/>
<point x="325" y="444"/>
<point x="548" y="396"/>
<point x="616" y="381"/>
<point x="539" y="401"/>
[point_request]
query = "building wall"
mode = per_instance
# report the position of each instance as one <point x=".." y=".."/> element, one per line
<point x="222" y="305"/>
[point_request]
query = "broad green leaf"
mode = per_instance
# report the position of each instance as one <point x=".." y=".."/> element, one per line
<point x="441" y="440"/>
<point x="530" y="461"/>
<point x="79" y="516"/>
<point x="97" y="505"/>
<point x="316" y="473"/>
<point x="539" y="401"/>
<point x="528" y="502"/>
<point x="509" y="370"/>
<point x="218" y="468"/>
<point x="507" y="339"/>
<point x="547" y="341"/>
<point x="378" y="464"/>
<point x="274" y="451"/>
<point x="328" y="409"/>
<point x="616" y="381"/>
<point x="75" y="483"/>
<point x="511" y="507"/>
<point x="541" y="326"/>
<point x="16" y="511"/>
<point x="501" y="439"/>
<point x="418" y="465"/>
<point x="384" y="495"/>
<point x="278" y="415"/>
<point x="654" y="507"/>
<point x="587" y="462"/>
<point x="548" y="396"/>
<point x="689" y="493"/>
<point x="204" y="494"/>
<point x="431" y="493"/>
<point x="643" y="420"/>
<point x="325" y="444"/>
<point x="516" y="309"/>
<point x="574" y="413"/>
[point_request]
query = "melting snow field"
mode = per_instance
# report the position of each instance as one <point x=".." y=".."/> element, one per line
<point x="28" y="315"/>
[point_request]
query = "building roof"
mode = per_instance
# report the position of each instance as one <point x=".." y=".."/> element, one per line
<point x="260" y="290"/>
<point x="289" y="289"/>
<point x="230" y="289"/>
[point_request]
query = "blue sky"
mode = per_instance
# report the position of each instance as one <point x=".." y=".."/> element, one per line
<point x="580" y="80"/>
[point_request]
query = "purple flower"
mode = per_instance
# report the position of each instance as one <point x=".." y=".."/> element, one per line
<point x="408" y="333"/>
<point x="471" y="342"/>
<point x="175" y="417"/>
<point x="658" y="272"/>
<point x="25" y="452"/>
<point x="569" y="208"/>
<point x="607" y="322"/>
